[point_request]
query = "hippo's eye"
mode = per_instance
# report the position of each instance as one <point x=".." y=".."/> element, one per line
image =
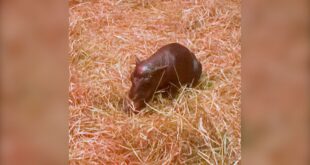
<point x="147" y="77"/>
<point x="131" y="77"/>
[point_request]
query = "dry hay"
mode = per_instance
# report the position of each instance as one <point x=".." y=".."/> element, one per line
<point x="200" y="126"/>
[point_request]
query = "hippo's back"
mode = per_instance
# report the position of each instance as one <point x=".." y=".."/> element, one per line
<point x="183" y="66"/>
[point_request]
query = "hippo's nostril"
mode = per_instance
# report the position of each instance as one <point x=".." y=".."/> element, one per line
<point x="134" y="97"/>
<point x="131" y="94"/>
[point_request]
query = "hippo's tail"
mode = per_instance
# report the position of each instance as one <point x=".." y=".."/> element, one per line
<point x="197" y="68"/>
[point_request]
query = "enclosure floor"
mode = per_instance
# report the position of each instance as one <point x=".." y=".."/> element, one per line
<point x="200" y="125"/>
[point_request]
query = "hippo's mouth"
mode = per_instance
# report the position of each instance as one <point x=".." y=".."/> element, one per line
<point x="134" y="106"/>
<point x="138" y="104"/>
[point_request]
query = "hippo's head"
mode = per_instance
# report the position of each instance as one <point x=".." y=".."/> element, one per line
<point x="145" y="79"/>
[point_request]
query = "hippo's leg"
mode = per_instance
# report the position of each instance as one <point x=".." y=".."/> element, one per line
<point x="197" y="72"/>
<point x="173" y="91"/>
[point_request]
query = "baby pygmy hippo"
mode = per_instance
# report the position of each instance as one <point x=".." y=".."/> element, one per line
<point x="169" y="68"/>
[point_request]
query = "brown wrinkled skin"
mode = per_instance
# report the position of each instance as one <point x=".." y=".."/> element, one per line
<point x="169" y="68"/>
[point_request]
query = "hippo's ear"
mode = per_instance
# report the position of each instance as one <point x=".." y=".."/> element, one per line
<point x="137" y="60"/>
<point x="158" y="69"/>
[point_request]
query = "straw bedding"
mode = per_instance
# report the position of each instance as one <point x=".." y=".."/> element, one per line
<point x="200" y="125"/>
